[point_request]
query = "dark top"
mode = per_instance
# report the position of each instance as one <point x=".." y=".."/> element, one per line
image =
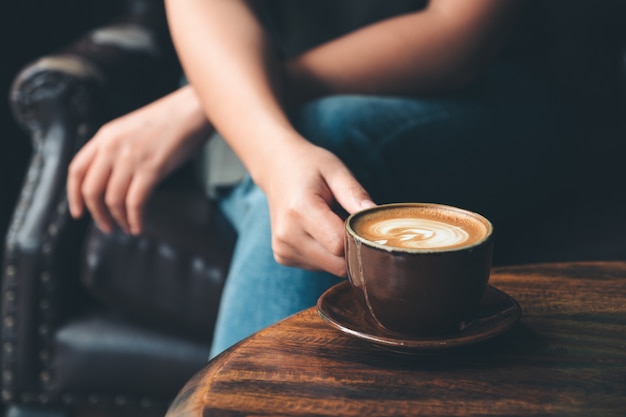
<point x="298" y="25"/>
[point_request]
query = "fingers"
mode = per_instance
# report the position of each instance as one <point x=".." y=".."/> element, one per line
<point x="302" y="250"/>
<point x="87" y="179"/>
<point x="93" y="189"/>
<point x="112" y="186"/>
<point x="128" y="189"/>
<point x="347" y="191"/>
<point x="136" y="198"/>
<point x="323" y="224"/>
<point x="76" y="174"/>
<point x="115" y="196"/>
<point x="325" y="227"/>
<point x="309" y="235"/>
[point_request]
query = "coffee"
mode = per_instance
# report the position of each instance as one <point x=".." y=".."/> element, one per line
<point x="424" y="227"/>
<point x="418" y="269"/>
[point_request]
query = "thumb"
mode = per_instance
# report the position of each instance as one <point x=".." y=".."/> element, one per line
<point x="348" y="192"/>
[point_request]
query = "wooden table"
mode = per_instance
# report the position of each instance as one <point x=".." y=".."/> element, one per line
<point x="565" y="357"/>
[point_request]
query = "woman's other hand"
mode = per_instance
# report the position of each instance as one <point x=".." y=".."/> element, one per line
<point x="113" y="175"/>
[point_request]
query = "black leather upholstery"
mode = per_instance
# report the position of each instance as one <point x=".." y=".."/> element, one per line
<point x="181" y="240"/>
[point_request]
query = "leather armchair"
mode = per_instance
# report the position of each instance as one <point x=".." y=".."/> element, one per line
<point x="92" y="320"/>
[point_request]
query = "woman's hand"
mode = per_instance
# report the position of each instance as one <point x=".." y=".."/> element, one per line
<point x="302" y="190"/>
<point x="115" y="172"/>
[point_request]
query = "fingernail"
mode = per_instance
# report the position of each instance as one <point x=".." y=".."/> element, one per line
<point x="103" y="228"/>
<point x="74" y="212"/>
<point x="367" y="204"/>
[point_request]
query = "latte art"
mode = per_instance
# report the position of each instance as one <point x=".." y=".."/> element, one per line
<point x="420" y="227"/>
<point x="415" y="233"/>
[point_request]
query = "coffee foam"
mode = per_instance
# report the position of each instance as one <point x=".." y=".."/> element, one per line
<point x="420" y="227"/>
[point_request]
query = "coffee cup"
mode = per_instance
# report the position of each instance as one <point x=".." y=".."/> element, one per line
<point x="419" y="269"/>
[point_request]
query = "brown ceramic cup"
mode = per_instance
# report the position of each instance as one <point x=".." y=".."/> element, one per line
<point x="419" y="269"/>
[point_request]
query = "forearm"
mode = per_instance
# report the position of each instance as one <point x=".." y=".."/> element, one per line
<point x="188" y="112"/>
<point x="437" y="49"/>
<point x="230" y="63"/>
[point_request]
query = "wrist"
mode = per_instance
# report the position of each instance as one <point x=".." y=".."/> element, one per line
<point x="266" y="161"/>
<point x="189" y="111"/>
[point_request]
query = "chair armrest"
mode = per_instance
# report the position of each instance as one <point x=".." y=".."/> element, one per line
<point x="124" y="64"/>
<point x="61" y="100"/>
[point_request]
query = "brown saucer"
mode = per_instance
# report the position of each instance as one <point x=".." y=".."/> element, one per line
<point x="497" y="313"/>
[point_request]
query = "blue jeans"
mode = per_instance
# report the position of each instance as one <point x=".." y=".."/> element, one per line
<point x="483" y="149"/>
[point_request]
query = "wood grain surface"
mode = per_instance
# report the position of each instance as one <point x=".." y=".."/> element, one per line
<point x="566" y="357"/>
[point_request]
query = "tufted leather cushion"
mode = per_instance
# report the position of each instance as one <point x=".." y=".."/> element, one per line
<point x="98" y="343"/>
<point x="172" y="275"/>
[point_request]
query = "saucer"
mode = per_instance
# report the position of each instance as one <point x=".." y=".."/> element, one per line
<point x="496" y="314"/>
